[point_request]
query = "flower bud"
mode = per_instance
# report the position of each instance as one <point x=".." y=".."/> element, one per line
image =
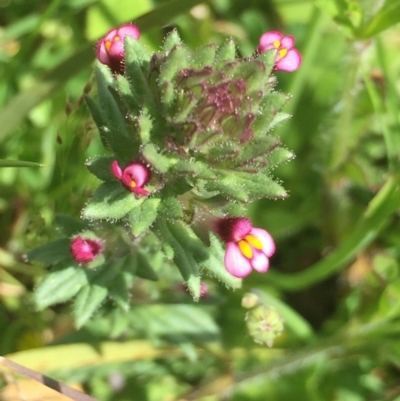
<point x="110" y="49"/>
<point x="264" y="324"/>
<point x="85" y="250"/>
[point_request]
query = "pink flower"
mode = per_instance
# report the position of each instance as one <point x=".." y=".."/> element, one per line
<point x="84" y="250"/>
<point x="287" y="58"/>
<point x="110" y="49"/>
<point x="133" y="177"/>
<point x="247" y="247"/>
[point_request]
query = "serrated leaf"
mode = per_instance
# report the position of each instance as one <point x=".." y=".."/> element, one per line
<point x="246" y="187"/>
<point x="59" y="286"/>
<point x="144" y="268"/>
<point x="143" y="216"/>
<point x="195" y="168"/>
<point x="119" y="290"/>
<point x="101" y="167"/>
<point x="69" y="225"/>
<point x="204" y="56"/>
<point x="115" y="121"/>
<point x="92" y="296"/>
<point x="268" y="58"/>
<point x="111" y="201"/>
<point x="184" y="234"/>
<point x="177" y="60"/>
<point x="173" y="39"/>
<point x="214" y="265"/>
<point x="183" y="259"/>
<point x="194" y="287"/>
<point x="159" y="161"/>
<point x="279" y="156"/>
<point x="226" y="53"/>
<point x="170" y="208"/>
<point x="145" y="126"/>
<point x="175" y="320"/>
<point x="99" y="120"/>
<point x="256" y="148"/>
<point x="51" y="253"/>
<point x="86" y="303"/>
<point x="136" y="57"/>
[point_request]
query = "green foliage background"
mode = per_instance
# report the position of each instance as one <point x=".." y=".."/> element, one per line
<point x="335" y="277"/>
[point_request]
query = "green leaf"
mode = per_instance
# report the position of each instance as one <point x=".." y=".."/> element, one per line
<point x="111" y="201"/>
<point x="194" y="287"/>
<point x="184" y="234"/>
<point x="177" y="60"/>
<point x="19" y="163"/>
<point x="51" y="253"/>
<point x="92" y="296"/>
<point x="143" y="216"/>
<point x="136" y="56"/>
<point x="226" y="53"/>
<point x="159" y="161"/>
<point x="145" y="265"/>
<point x="101" y="167"/>
<point x="171" y="208"/>
<point x="386" y="17"/>
<point x="69" y="225"/>
<point x="255" y="148"/>
<point x="214" y="265"/>
<point x="173" y="39"/>
<point x="145" y="126"/>
<point x="59" y="286"/>
<point x="204" y="56"/>
<point x="183" y="259"/>
<point x="160" y="320"/>
<point x="246" y="187"/>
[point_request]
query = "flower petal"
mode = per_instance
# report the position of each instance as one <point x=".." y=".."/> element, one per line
<point x="110" y="35"/>
<point x="287" y="42"/>
<point x="235" y="263"/>
<point x="266" y="240"/>
<point x="291" y="62"/>
<point x="260" y="262"/>
<point x="138" y="172"/>
<point x="117" y="49"/>
<point x="268" y="38"/>
<point x="116" y="169"/>
<point x="102" y="53"/>
<point x="130" y="30"/>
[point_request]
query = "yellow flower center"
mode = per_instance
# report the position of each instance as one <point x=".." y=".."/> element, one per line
<point x="133" y="184"/>
<point x="277" y="43"/>
<point x="245" y="248"/>
<point x="246" y="244"/>
<point x="108" y="45"/>
<point x="282" y="53"/>
<point x="254" y="241"/>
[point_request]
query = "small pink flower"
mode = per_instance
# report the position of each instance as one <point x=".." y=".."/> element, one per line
<point x="133" y="177"/>
<point x="110" y="49"/>
<point x="287" y="58"/>
<point x="85" y="250"/>
<point x="247" y="247"/>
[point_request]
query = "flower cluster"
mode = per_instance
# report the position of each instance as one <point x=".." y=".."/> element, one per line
<point x="211" y="107"/>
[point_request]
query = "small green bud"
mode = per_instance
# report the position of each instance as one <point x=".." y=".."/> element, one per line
<point x="249" y="300"/>
<point x="264" y="323"/>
